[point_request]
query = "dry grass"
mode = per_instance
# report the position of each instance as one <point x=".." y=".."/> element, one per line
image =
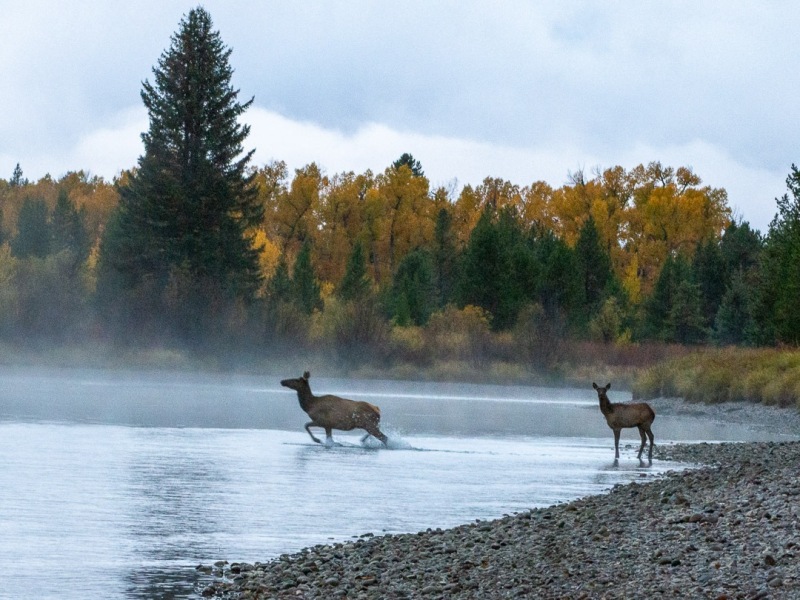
<point x="768" y="376"/>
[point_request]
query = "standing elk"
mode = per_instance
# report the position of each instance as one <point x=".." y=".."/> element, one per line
<point x="620" y="415"/>
<point x="332" y="412"/>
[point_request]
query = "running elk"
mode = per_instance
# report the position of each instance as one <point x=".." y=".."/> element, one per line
<point x="332" y="412"/>
<point x="620" y="415"/>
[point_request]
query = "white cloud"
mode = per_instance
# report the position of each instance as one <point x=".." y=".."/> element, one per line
<point x="751" y="190"/>
<point x="111" y="149"/>
<point x="472" y="88"/>
<point x="108" y="150"/>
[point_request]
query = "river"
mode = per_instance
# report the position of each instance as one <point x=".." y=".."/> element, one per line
<point x="117" y="484"/>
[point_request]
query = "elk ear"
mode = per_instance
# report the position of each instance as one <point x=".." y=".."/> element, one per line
<point x="306" y="375"/>
<point x="594" y="385"/>
<point x="608" y="387"/>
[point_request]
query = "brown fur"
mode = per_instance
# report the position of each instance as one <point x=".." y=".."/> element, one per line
<point x="629" y="414"/>
<point x="332" y="412"/>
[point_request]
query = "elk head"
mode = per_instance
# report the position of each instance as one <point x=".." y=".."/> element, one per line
<point x="298" y="384"/>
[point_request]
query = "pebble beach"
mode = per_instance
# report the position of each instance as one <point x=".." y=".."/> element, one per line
<point x="725" y="527"/>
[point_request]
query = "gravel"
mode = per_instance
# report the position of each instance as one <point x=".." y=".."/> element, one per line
<point x="726" y="527"/>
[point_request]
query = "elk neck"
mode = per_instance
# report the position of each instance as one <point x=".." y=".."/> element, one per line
<point x="305" y="397"/>
<point x="605" y="404"/>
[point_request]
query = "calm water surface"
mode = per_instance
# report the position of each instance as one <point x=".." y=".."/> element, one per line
<point x="116" y="485"/>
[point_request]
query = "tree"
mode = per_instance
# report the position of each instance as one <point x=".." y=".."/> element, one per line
<point x="558" y="287"/>
<point x="659" y="306"/>
<point x="444" y="257"/>
<point x="413" y="292"/>
<point x="594" y="266"/>
<point x="741" y="247"/>
<point x="710" y="273"/>
<point x="356" y="283"/>
<point x="33" y="231"/>
<point x="685" y="322"/>
<point x="187" y="212"/>
<point x="304" y="282"/>
<point x="410" y="162"/>
<point x="17" y="180"/>
<point x="293" y="212"/>
<point x="497" y="267"/>
<point x="776" y="310"/>
<point x="734" y="322"/>
<point x="279" y="288"/>
<point x="403" y="220"/>
<point x="68" y="229"/>
<point x="673" y="313"/>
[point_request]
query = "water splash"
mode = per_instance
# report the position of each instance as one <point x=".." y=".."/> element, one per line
<point x="395" y="441"/>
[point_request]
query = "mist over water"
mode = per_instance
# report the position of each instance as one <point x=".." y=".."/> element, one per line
<point x="116" y="485"/>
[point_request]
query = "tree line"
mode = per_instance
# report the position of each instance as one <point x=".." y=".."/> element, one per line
<point x="196" y="247"/>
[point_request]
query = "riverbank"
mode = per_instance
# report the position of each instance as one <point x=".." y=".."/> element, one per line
<point x="728" y="529"/>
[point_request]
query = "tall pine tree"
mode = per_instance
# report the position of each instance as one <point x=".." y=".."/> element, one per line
<point x="776" y="305"/>
<point x="186" y="212"/>
<point x="594" y="267"/>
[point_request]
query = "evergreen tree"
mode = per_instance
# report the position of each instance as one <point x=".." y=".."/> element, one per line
<point x="413" y="295"/>
<point x="186" y="212"/>
<point x="659" y="307"/>
<point x="734" y="322"/>
<point x="33" y="231"/>
<point x="498" y="270"/>
<point x="68" y="229"/>
<point x="486" y="271"/>
<point x="558" y="284"/>
<point x="594" y="267"/>
<point x="444" y="258"/>
<point x="17" y="180"/>
<point x="710" y="273"/>
<point x="776" y="305"/>
<point x="740" y="247"/>
<point x="685" y="323"/>
<point x="304" y="281"/>
<point x="410" y="162"/>
<point x="356" y="283"/>
<point x="279" y="288"/>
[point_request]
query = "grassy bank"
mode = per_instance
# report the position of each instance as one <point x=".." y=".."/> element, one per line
<point x="767" y="376"/>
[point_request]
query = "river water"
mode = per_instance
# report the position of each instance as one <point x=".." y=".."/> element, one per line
<point x="117" y="484"/>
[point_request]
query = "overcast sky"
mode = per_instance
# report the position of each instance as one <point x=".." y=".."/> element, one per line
<point x="521" y="90"/>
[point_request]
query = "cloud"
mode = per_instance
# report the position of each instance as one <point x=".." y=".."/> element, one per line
<point x="751" y="190"/>
<point x="518" y="90"/>
<point x="104" y="152"/>
<point x="447" y="161"/>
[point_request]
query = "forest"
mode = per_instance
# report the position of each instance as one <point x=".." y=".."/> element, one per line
<point x="196" y="249"/>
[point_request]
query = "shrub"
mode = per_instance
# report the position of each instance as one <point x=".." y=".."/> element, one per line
<point x="454" y="333"/>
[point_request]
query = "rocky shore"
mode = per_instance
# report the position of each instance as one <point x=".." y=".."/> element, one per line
<point x="726" y="529"/>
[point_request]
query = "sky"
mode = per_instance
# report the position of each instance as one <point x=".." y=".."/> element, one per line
<point x="521" y="90"/>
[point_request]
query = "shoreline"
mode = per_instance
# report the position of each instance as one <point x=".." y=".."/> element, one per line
<point x="727" y="527"/>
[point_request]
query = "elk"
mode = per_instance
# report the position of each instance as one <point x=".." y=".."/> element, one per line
<point x="332" y="412"/>
<point x="627" y="414"/>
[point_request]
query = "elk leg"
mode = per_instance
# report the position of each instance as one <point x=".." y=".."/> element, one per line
<point x="616" y="443"/>
<point x="644" y="441"/>
<point x="372" y="430"/>
<point x="329" y="436"/>
<point x="650" y="435"/>
<point x="313" y="437"/>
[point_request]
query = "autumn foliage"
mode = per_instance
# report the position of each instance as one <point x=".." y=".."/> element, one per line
<point x="199" y="249"/>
